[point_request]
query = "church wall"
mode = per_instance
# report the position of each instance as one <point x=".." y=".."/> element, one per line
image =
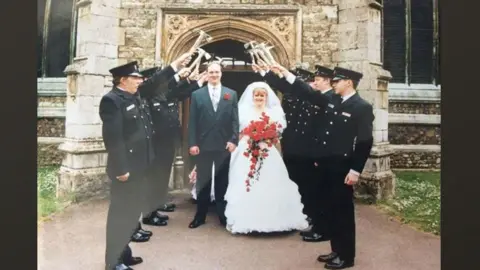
<point x="413" y="140"/>
<point x="139" y="23"/>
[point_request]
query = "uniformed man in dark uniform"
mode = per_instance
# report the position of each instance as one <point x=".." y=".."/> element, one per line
<point x="127" y="133"/>
<point x="347" y="141"/>
<point x="154" y="83"/>
<point x="319" y="231"/>
<point x="155" y="90"/>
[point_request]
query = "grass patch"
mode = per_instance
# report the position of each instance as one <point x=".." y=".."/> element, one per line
<point x="417" y="200"/>
<point x="47" y="203"/>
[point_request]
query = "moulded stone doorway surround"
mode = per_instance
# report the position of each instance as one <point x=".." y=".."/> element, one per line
<point x="279" y="25"/>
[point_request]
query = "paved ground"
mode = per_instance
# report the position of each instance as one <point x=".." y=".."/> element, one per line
<point x="75" y="239"/>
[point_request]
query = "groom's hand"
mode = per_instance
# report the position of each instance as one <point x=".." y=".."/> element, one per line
<point x="231" y="147"/>
<point x="194" y="150"/>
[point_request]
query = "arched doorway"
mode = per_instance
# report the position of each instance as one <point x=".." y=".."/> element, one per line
<point x="237" y="72"/>
<point x="177" y="33"/>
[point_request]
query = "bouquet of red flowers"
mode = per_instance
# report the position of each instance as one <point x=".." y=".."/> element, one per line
<point x="261" y="131"/>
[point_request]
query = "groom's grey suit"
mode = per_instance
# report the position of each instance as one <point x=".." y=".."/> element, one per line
<point x="211" y="129"/>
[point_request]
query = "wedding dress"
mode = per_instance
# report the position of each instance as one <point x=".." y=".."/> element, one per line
<point x="273" y="203"/>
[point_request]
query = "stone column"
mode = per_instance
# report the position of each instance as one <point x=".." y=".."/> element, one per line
<point x="360" y="49"/>
<point x="82" y="173"/>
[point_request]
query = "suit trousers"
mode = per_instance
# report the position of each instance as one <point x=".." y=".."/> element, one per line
<point x="336" y="203"/>
<point x="204" y="162"/>
<point x="122" y="217"/>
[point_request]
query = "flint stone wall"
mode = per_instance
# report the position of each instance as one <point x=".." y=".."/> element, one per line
<point x="51" y="127"/>
<point x="414" y="134"/>
<point x="48" y="153"/>
<point x="416" y="157"/>
<point x="414" y="107"/>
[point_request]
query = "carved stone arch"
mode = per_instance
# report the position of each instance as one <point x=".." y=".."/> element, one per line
<point x="236" y="28"/>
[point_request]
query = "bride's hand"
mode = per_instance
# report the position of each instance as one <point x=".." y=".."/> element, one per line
<point x="241" y="136"/>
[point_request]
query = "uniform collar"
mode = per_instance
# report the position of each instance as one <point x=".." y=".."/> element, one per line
<point x="124" y="93"/>
<point x="325" y="91"/>
<point x="344" y="98"/>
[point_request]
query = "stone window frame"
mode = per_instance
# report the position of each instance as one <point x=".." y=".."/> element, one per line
<point x="45" y="36"/>
<point x="418" y="91"/>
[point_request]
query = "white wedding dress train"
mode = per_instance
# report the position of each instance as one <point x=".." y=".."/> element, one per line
<point x="273" y="203"/>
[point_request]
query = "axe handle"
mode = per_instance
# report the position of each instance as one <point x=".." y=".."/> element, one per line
<point x="196" y="62"/>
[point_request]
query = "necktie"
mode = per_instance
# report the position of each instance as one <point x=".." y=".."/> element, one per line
<point x="214" y="98"/>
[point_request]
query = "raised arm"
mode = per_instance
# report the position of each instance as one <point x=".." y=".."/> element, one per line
<point x="157" y="84"/>
<point x="182" y="88"/>
<point x="112" y="132"/>
<point x="305" y="91"/>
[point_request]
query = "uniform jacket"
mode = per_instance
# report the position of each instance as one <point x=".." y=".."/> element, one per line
<point x="346" y="129"/>
<point x="127" y="133"/>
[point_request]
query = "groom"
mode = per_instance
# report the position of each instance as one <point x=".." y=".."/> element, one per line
<point x="212" y="135"/>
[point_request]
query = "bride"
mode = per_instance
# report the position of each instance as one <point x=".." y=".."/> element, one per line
<point x="272" y="203"/>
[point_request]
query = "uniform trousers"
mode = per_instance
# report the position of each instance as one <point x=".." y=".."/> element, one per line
<point x="156" y="190"/>
<point x="122" y="217"/>
<point x="336" y="211"/>
<point x="301" y="171"/>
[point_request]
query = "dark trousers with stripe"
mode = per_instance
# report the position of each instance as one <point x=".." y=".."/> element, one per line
<point x="336" y="206"/>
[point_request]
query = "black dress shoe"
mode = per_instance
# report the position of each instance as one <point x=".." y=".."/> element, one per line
<point x="305" y="233"/>
<point x="122" y="267"/>
<point x="139" y="238"/>
<point x="168" y="207"/>
<point x="327" y="257"/>
<point x="314" y="237"/>
<point x="195" y="224"/>
<point x="154" y="221"/>
<point x="223" y="222"/>
<point x="161" y="216"/>
<point x="338" y="263"/>
<point x="133" y="261"/>
<point x="144" y="232"/>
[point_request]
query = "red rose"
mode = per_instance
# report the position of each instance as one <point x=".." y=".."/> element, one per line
<point x="226" y="96"/>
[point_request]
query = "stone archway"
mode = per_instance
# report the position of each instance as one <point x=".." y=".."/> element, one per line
<point x="280" y="29"/>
